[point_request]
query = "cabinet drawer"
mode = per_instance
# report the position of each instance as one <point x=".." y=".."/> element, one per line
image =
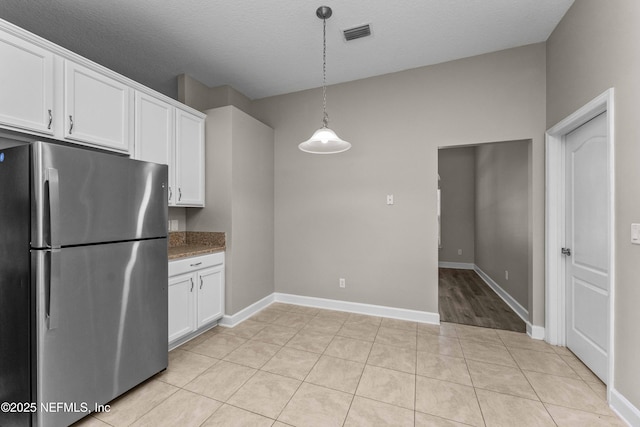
<point x="187" y="265"/>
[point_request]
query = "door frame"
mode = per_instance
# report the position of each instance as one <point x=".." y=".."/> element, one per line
<point x="555" y="289"/>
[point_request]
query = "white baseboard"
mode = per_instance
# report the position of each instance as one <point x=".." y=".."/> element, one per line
<point x="625" y="409"/>
<point x="522" y="312"/>
<point x="245" y="313"/>
<point x="355" y="307"/>
<point x="535" y="332"/>
<point x="456" y="265"/>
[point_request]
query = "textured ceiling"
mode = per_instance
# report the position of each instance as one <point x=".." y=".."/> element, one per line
<point x="270" y="47"/>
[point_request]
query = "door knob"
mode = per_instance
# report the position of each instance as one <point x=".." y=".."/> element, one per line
<point x="566" y="251"/>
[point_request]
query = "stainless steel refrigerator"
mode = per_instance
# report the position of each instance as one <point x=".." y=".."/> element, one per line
<point x="83" y="280"/>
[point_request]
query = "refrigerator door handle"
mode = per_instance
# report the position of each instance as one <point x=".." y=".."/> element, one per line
<point x="51" y="176"/>
<point x="53" y="279"/>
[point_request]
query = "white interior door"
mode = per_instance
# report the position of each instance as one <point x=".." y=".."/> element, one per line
<point x="587" y="237"/>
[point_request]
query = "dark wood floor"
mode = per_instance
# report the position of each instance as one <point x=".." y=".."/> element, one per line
<point x="465" y="298"/>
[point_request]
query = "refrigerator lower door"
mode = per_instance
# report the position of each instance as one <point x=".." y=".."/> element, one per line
<point x="101" y="324"/>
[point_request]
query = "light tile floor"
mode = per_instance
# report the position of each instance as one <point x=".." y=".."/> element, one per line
<point x="300" y="366"/>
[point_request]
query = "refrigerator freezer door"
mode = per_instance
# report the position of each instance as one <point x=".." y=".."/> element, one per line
<point x="83" y="197"/>
<point x="102" y="324"/>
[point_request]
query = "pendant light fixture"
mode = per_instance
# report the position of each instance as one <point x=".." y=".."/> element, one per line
<point x="324" y="140"/>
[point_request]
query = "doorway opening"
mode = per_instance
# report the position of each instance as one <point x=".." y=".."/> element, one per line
<point x="485" y="239"/>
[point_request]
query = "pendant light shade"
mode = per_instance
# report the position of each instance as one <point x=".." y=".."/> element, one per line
<point x="324" y="140"/>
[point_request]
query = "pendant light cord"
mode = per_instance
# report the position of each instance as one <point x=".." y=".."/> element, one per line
<point x="325" y="117"/>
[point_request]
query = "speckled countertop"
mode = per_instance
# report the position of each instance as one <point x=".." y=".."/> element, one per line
<point x="183" y="244"/>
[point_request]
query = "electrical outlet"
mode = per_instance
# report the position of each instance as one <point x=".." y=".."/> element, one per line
<point x="342" y="282"/>
<point x="506" y="274"/>
<point x="459" y="251"/>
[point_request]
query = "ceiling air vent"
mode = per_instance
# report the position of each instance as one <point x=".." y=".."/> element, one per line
<point x="357" y="32"/>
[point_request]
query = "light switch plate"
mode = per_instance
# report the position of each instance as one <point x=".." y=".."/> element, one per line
<point x="635" y="234"/>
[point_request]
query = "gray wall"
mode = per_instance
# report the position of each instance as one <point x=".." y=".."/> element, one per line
<point x="331" y="219"/>
<point x="457" y="169"/>
<point x="502" y="209"/>
<point x="193" y="93"/>
<point x="595" y="47"/>
<point x="201" y="97"/>
<point x="180" y="215"/>
<point x="239" y="201"/>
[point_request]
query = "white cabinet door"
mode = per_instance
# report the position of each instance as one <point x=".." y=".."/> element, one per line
<point x="189" y="164"/>
<point x="210" y="295"/>
<point x="96" y="108"/>
<point x="26" y="85"/>
<point x="154" y="133"/>
<point x="153" y="130"/>
<point x="181" y="306"/>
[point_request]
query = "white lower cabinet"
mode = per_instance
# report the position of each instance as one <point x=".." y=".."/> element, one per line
<point x="210" y="294"/>
<point x="196" y="295"/>
<point x="181" y="306"/>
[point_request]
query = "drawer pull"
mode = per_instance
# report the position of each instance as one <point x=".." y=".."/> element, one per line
<point x="196" y="264"/>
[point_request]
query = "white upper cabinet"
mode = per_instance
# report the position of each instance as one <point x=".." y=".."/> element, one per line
<point x="153" y="129"/>
<point x="189" y="162"/>
<point x="26" y="85"/>
<point x="47" y="90"/>
<point x="171" y="136"/>
<point x="96" y="108"/>
<point x="154" y="133"/>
